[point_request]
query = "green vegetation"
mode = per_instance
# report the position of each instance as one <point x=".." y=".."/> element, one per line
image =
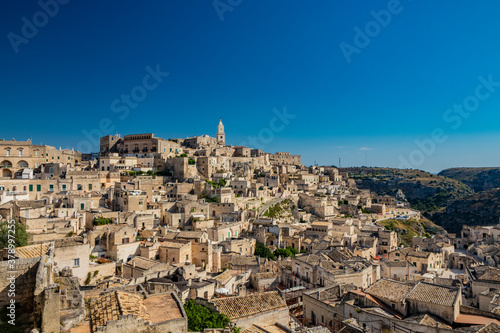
<point x="363" y="210"/>
<point x="101" y="221"/>
<point x="285" y="253"/>
<point x="262" y="251"/>
<point x="87" y="280"/>
<point x="19" y="232"/>
<point x="191" y="161"/>
<point x="219" y="184"/>
<point x="424" y="191"/>
<point x="433" y="203"/>
<point x="409" y="228"/>
<point x="479" y="179"/>
<point x="148" y="173"/>
<point x="278" y="209"/>
<point x="199" y="318"/>
<point x="211" y="198"/>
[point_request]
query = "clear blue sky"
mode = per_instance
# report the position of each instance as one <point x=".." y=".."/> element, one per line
<point x="262" y="55"/>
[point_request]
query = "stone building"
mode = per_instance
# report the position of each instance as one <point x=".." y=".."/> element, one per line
<point x="16" y="156"/>
<point x="120" y="311"/>
<point x="266" y="309"/>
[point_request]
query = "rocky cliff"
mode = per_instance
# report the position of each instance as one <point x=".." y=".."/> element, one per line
<point x="479" y="179"/>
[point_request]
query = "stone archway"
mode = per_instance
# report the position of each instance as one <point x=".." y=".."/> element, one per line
<point x="7" y="173"/>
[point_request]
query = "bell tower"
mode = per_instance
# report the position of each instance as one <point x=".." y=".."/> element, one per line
<point x="221" y="136"/>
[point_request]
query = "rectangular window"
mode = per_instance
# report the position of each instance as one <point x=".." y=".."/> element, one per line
<point x="51" y="170"/>
<point x="8" y="152"/>
<point x="64" y="187"/>
<point x="36" y="153"/>
<point x="90" y="187"/>
<point x="187" y="257"/>
<point x="38" y="188"/>
<point x="31" y="187"/>
<point x="76" y="262"/>
<point x="51" y="187"/>
<point x="82" y="206"/>
<point x="21" y="152"/>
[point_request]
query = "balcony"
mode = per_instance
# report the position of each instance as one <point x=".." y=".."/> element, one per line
<point x="17" y="192"/>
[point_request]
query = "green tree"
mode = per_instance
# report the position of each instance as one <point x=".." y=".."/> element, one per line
<point x="284" y="253"/>
<point x="262" y="251"/>
<point x="222" y="182"/>
<point x="20" y="234"/>
<point x="199" y="317"/>
<point x="294" y="251"/>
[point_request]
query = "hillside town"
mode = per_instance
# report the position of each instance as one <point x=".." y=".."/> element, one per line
<point x="195" y="235"/>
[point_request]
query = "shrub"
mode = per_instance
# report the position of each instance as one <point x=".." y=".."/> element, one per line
<point x="20" y="234"/>
<point x="262" y="251"/>
<point x="200" y="318"/>
<point x="101" y="221"/>
<point x="87" y="280"/>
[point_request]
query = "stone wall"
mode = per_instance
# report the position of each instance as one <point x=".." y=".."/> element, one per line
<point x="25" y="280"/>
<point x="281" y="316"/>
<point x="103" y="270"/>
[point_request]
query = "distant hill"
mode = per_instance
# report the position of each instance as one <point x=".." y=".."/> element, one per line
<point x="482" y="208"/>
<point x="424" y="191"/>
<point x="479" y="179"/>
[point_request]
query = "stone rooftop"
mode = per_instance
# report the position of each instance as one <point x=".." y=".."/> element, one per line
<point x="154" y="309"/>
<point x="142" y="263"/>
<point x="245" y="306"/>
<point x="392" y="290"/>
<point x="435" y="294"/>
